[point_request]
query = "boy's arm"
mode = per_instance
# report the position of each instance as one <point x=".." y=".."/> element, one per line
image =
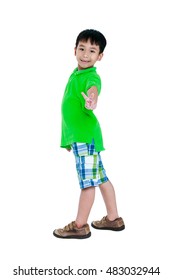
<point x="91" y="99"/>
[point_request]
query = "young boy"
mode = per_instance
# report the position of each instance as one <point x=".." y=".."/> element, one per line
<point x="81" y="132"/>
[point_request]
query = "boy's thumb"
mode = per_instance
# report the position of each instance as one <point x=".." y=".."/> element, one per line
<point x="84" y="96"/>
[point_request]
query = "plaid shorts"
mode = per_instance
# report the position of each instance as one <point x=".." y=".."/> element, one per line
<point x="89" y="166"/>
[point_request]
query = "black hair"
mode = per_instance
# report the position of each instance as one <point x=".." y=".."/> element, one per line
<point x="94" y="36"/>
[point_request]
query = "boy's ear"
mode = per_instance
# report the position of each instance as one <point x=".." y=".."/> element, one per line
<point x="100" y="56"/>
<point x="75" y="51"/>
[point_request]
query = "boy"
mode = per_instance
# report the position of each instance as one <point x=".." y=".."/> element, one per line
<point x="81" y="132"/>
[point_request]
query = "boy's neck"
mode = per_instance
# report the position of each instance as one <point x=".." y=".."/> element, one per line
<point x="79" y="69"/>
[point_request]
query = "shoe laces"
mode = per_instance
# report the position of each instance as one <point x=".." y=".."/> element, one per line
<point x="103" y="219"/>
<point x="69" y="226"/>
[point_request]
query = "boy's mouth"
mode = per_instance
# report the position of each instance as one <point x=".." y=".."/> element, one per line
<point x="84" y="61"/>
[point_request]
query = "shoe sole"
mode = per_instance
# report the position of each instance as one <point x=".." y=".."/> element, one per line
<point x="109" y="228"/>
<point x="72" y="236"/>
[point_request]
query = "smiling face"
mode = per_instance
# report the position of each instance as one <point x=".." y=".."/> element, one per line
<point x="87" y="54"/>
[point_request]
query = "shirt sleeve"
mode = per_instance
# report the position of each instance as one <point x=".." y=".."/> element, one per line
<point x="93" y="80"/>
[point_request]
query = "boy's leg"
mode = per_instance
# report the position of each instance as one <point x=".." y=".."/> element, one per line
<point x="79" y="228"/>
<point x="108" y="193"/>
<point x="112" y="221"/>
<point x="85" y="204"/>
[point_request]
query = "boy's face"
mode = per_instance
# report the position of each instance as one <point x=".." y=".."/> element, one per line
<point x="87" y="54"/>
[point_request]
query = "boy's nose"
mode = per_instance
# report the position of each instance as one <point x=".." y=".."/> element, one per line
<point x="85" y="54"/>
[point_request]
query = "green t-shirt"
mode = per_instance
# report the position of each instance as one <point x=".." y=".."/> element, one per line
<point x="78" y="123"/>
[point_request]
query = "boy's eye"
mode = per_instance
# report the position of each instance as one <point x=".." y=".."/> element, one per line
<point x="92" y="51"/>
<point x="81" y="49"/>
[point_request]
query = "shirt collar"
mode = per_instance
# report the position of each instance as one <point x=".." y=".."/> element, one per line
<point x="77" y="71"/>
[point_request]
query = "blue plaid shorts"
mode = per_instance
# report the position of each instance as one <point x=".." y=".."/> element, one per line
<point x="89" y="166"/>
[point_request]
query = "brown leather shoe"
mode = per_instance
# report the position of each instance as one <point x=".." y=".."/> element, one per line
<point x="71" y="231"/>
<point x="105" y="223"/>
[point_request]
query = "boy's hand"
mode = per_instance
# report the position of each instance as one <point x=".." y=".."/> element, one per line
<point x="90" y="101"/>
<point x="68" y="149"/>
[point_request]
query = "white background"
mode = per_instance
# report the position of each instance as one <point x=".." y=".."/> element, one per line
<point x="39" y="187"/>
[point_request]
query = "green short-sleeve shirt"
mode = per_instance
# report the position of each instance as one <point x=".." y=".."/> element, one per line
<point x="78" y="123"/>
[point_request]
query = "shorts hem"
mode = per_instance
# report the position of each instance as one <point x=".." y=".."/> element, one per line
<point x="91" y="183"/>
